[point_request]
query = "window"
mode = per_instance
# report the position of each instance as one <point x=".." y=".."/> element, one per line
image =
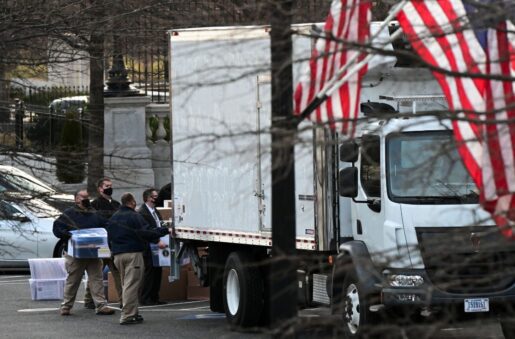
<point x="425" y="167"/>
<point x="370" y="166"/>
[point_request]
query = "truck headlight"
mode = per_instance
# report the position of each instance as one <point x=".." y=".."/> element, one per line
<point x="402" y="280"/>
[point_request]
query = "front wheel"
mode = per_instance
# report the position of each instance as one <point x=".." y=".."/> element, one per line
<point x="59" y="249"/>
<point x="357" y="318"/>
<point x="243" y="291"/>
<point x="508" y="328"/>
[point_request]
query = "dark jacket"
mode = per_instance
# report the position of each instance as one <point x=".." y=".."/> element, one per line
<point x="145" y="213"/>
<point x="129" y="232"/>
<point x="74" y="218"/>
<point x="105" y="207"/>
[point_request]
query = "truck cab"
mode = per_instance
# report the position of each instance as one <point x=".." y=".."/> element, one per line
<point x="417" y="237"/>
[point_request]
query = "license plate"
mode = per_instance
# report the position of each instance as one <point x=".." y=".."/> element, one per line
<point x="477" y="305"/>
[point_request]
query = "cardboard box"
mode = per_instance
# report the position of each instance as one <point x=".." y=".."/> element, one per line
<point x="194" y="290"/>
<point x="112" y="294"/>
<point x="47" y="289"/>
<point x="175" y="291"/>
<point x="89" y="243"/>
<point x="166" y="213"/>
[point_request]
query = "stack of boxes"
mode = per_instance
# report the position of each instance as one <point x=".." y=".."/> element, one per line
<point x="47" y="278"/>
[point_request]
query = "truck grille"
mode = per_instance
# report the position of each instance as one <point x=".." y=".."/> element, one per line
<point x="467" y="259"/>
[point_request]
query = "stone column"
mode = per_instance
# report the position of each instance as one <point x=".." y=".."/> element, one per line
<point x="127" y="158"/>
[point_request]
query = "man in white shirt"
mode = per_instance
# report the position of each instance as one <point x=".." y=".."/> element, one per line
<point x="149" y="294"/>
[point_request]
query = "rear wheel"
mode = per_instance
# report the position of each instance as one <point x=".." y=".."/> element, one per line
<point x="243" y="291"/>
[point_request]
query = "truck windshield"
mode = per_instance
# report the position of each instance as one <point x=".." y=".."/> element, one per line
<point x="425" y="168"/>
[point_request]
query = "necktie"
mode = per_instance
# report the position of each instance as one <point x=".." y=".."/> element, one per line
<point x="156" y="218"/>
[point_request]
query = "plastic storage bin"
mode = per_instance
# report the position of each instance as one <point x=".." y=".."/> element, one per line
<point x="47" y="268"/>
<point x="89" y="243"/>
<point x="47" y="289"/>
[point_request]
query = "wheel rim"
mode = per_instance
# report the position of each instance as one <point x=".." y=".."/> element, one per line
<point x="352" y="308"/>
<point x="233" y="292"/>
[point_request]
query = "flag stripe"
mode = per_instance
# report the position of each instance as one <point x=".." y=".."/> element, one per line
<point x="347" y="21"/>
<point x="440" y="33"/>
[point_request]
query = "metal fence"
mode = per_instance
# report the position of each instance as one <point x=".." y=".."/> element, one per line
<point x="36" y="115"/>
<point x="146" y="48"/>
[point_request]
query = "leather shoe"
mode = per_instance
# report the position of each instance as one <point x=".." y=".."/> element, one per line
<point x="105" y="311"/>
<point x="65" y="311"/>
<point x="132" y="320"/>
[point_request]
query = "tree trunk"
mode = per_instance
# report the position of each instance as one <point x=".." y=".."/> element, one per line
<point x="4" y="95"/>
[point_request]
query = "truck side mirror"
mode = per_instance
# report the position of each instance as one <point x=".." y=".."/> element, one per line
<point x="349" y="151"/>
<point x="348" y="182"/>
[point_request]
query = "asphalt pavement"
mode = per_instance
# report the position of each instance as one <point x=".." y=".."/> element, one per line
<point x="21" y="317"/>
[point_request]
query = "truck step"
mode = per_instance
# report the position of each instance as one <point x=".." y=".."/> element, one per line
<point x="319" y="289"/>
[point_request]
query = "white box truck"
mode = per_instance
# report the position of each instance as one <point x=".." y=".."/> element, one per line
<point x="387" y="220"/>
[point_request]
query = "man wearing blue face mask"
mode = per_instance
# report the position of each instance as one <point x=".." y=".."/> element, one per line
<point x="81" y="216"/>
<point x="106" y="207"/>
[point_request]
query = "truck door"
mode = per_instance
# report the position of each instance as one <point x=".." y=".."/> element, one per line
<point x="369" y="219"/>
<point x="264" y="156"/>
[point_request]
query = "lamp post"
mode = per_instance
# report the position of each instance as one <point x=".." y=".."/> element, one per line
<point x="118" y="84"/>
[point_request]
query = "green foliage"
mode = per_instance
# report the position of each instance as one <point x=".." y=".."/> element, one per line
<point x="71" y="167"/>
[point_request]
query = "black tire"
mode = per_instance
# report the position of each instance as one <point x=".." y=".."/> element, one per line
<point x="243" y="291"/>
<point x="508" y="328"/>
<point x="59" y="249"/>
<point x="358" y="320"/>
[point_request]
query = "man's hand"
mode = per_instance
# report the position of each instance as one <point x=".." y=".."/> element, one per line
<point x="161" y="245"/>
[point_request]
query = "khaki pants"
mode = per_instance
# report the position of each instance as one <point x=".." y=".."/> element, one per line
<point x="75" y="268"/>
<point x="117" y="282"/>
<point x="131" y="269"/>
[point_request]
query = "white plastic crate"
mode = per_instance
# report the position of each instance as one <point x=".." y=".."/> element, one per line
<point x="47" y="268"/>
<point x="47" y="289"/>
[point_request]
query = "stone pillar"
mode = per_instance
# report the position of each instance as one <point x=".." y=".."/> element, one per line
<point x="127" y="158"/>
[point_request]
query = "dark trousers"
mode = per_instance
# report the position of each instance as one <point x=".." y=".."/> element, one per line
<point x="151" y="282"/>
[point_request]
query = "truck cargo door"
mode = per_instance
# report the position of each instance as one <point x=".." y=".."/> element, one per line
<point x="264" y="155"/>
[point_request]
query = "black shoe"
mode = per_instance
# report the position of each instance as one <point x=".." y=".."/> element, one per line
<point x="147" y="303"/>
<point x="159" y="302"/>
<point x="132" y="320"/>
<point x="90" y="305"/>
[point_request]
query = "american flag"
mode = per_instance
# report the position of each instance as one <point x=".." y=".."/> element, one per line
<point x="442" y="34"/>
<point x="348" y="22"/>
